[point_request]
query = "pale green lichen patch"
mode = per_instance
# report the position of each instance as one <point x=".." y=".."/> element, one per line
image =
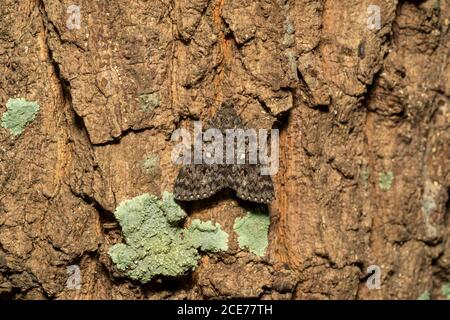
<point x="293" y="65"/>
<point x="365" y="174"/>
<point x="386" y="180"/>
<point x="431" y="191"/>
<point x="288" y="27"/>
<point x="288" y="39"/>
<point x="19" y="114"/>
<point x="151" y="163"/>
<point x="253" y="230"/>
<point x="445" y="289"/>
<point x="155" y="244"/>
<point x="428" y="205"/>
<point x="207" y="236"/>
<point x="425" y="296"/>
<point x="149" y="101"/>
<point x="437" y="4"/>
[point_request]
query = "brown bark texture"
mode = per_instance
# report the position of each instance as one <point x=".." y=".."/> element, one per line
<point x="364" y="120"/>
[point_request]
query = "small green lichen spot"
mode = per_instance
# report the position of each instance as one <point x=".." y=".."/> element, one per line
<point x="151" y="163"/>
<point x="428" y="205"/>
<point x="253" y="230"/>
<point x="386" y="179"/>
<point x="292" y="59"/>
<point x="288" y="27"/>
<point x="365" y="174"/>
<point x="437" y="4"/>
<point x="20" y="112"/>
<point x="425" y="296"/>
<point x="149" y="101"/>
<point x="446" y="290"/>
<point x="155" y="244"/>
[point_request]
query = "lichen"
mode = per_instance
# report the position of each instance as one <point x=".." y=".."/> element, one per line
<point x="293" y="65"/>
<point x="428" y="205"/>
<point x="151" y="163"/>
<point x="19" y="114"/>
<point x="288" y="39"/>
<point x="155" y="244"/>
<point x="386" y="180"/>
<point x="445" y="289"/>
<point x="437" y="4"/>
<point x="207" y="237"/>
<point x="424" y="296"/>
<point x="253" y="231"/>
<point x="149" y="101"/>
<point x="365" y="174"/>
<point x="288" y="27"/>
<point x="431" y="192"/>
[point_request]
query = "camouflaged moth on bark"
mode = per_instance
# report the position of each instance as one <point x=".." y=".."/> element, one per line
<point x="202" y="180"/>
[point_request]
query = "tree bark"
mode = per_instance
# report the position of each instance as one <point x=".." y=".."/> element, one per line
<point x="364" y="119"/>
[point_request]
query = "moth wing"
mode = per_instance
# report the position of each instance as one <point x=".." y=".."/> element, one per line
<point x="198" y="181"/>
<point x="249" y="184"/>
<point x="226" y="118"/>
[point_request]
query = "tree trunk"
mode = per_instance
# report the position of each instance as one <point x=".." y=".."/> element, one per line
<point x="364" y="117"/>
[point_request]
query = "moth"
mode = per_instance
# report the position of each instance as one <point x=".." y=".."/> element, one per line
<point x="200" y="181"/>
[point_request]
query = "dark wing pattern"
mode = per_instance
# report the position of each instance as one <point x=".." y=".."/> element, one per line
<point x="200" y="181"/>
<point x="249" y="184"/>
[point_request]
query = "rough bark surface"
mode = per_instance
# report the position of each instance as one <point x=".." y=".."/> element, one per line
<point x="354" y="106"/>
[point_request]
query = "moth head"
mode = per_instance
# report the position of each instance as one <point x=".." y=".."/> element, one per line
<point x="227" y="117"/>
